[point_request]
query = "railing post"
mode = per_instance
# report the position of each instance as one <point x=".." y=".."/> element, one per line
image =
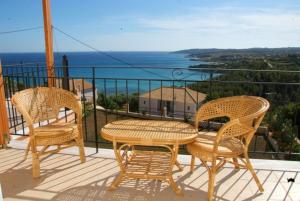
<point x="210" y="84"/>
<point x="4" y="129"/>
<point x="95" y="110"/>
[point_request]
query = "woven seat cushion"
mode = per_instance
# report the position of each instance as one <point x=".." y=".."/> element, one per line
<point x="55" y="133"/>
<point x="204" y="144"/>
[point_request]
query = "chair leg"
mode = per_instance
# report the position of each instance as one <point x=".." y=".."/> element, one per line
<point x="235" y="163"/>
<point x="27" y="150"/>
<point x="211" y="183"/>
<point x="116" y="182"/>
<point x="81" y="150"/>
<point x="35" y="165"/>
<point x="178" y="165"/>
<point x="192" y="163"/>
<point x="250" y="168"/>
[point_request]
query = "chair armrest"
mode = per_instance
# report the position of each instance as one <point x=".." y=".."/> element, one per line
<point x="24" y="113"/>
<point x="76" y="107"/>
<point x="231" y="129"/>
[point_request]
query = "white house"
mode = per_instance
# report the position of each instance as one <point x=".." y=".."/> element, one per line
<point x="79" y="87"/>
<point x="168" y="101"/>
<point x="83" y="87"/>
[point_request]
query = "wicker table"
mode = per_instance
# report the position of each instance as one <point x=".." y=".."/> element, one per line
<point x="126" y="135"/>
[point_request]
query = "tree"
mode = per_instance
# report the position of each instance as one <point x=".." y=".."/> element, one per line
<point x="134" y="103"/>
<point x="284" y="122"/>
<point x="119" y="102"/>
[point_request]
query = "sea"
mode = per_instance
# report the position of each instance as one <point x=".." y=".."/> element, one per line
<point x="162" y="68"/>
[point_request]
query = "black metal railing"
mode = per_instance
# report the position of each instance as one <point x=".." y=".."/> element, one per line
<point x="177" y="94"/>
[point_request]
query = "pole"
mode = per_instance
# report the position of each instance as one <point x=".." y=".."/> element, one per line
<point x="48" y="42"/>
<point x="65" y="64"/>
<point x="4" y="129"/>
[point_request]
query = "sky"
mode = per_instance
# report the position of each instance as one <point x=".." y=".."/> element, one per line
<point x="152" y="25"/>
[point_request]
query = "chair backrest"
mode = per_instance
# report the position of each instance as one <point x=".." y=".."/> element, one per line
<point x="244" y="108"/>
<point x="43" y="103"/>
<point x="245" y="113"/>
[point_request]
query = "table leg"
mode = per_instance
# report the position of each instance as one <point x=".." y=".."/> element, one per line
<point x="119" y="159"/>
<point x="174" y="186"/>
<point x="174" y="162"/>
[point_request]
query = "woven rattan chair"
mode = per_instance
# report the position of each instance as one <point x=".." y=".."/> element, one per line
<point x="40" y="105"/>
<point x="230" y="143"/>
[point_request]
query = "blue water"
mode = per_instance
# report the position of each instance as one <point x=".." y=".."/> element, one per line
<point x="121" y="65"/>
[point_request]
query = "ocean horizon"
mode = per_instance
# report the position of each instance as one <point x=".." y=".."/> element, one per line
<point x="121" y="65"/>
<point x="155" y="62"/>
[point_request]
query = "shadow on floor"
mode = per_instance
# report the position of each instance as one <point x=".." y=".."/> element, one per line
<point x="129" y="190"/>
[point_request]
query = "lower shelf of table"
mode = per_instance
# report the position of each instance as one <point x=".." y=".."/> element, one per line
<point x="149" y="164"/>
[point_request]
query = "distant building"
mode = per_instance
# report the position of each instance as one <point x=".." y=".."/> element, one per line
<point x="168" y="101"/>
<point x="79" y="86"/>
<point x="87" y="89"/>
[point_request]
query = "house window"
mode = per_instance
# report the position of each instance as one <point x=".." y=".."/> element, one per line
<point x="188" y="108"/>
<point x="144" y="102"/>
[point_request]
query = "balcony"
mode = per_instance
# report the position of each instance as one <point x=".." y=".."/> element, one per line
<point x="106" y="99"/>
<point x="64" y="178"/>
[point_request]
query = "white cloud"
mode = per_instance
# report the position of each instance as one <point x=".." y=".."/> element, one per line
<point x="227" y="20"/>
<point x="278" y="21"/>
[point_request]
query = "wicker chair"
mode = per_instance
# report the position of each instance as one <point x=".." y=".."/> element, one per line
<point x="231" y="141"/>
<point x="41" y="105"/>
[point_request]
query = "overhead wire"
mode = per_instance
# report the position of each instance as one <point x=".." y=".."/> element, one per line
<point x="57" y="52"/>
<point x="106" y="54"/>
<point x="20" y="30"/>
<point x="17" y="31"/>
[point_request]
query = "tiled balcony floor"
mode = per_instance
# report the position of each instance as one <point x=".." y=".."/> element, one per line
<point x="63" y="178"/>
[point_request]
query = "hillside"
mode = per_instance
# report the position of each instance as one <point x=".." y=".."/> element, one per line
<point x="226" y="56"/>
